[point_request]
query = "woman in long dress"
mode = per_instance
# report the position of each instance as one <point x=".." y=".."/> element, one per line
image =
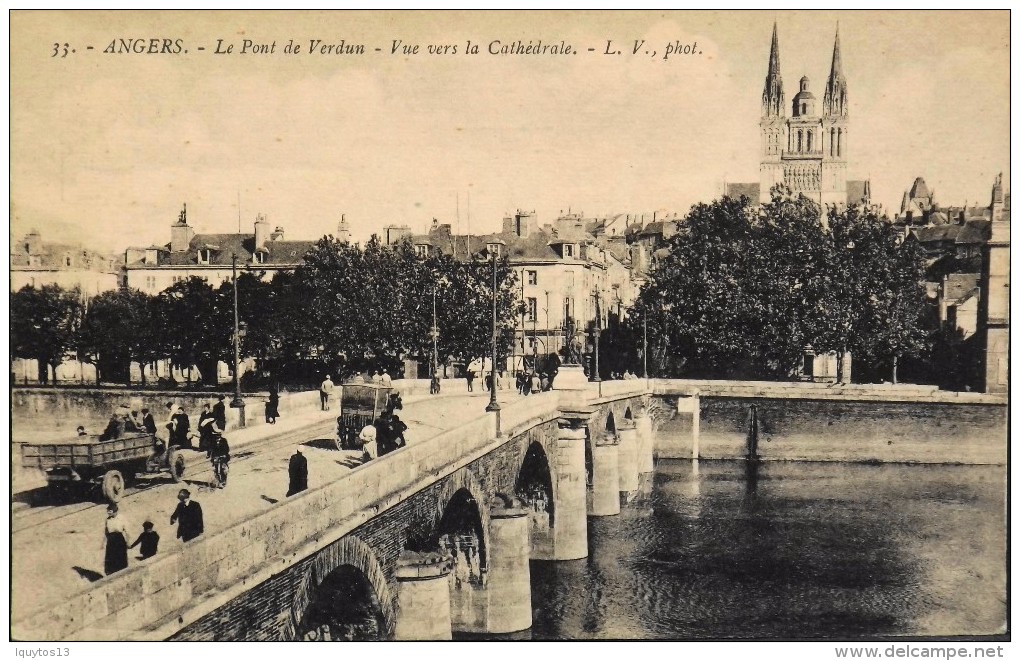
<point x="116" y="541"/>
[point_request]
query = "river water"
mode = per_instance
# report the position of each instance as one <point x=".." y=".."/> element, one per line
<point x="792" y="550"/>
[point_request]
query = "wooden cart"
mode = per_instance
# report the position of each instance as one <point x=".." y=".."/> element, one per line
<point x="108" y="464"/>
<point x="360" y="405"/>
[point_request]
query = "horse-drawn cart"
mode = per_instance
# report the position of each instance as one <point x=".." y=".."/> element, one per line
<point x="109" y="464"/>
<point x="360" y="405"/>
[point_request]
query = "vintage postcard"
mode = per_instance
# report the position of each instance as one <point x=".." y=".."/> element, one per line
<point x="516" y="325"/>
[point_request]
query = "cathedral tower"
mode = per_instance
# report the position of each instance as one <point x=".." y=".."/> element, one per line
<point x="834" y="132"/>
<point x="806" y="151"/>
<point x="773" y="123"/>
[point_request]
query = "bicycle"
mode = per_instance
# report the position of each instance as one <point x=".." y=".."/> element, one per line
<point x="221" y="466"/>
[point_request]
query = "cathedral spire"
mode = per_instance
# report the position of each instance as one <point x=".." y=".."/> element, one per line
<point x="773" y="101"/>
<point x="834" y="102"/>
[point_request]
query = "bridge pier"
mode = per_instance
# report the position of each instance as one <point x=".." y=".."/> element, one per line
<point x="570" y="529"/>
<point x="692" y="405"/>
<point x="423" y="598"/>
<point x="646" y="443"/>
<point x="508" y="586"/>
<point x="628" y="453"/>
<point x="605" y="500"/>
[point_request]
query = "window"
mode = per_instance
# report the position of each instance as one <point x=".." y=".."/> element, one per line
<point x="67" y="260"/>
<point x="568" y="250"/>
<point x="569" y="278"/>
<point x="568" y="308"/>
<point x="422" y="250"/>
<point x="532" y="313"/>
<point x="532" y="277"/>
<point x="494" y="249"/>
<point x="259" y="257"/>
<point x="150" y="282"/>
<point x="203" y="255"/>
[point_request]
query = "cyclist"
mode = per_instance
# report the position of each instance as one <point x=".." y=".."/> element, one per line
<point x="219" y="454"/>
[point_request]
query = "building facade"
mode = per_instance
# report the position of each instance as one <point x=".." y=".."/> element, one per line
<point x="565" y="274"/>
<point x="993" y="311"/>
<point x="35" y="263"/>
<point x="211" y="256"/>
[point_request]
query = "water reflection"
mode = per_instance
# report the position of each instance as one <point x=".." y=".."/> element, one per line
<point x="787" y="550"/>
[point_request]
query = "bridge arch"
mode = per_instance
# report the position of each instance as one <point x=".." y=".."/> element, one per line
<point x="343" y="595"/>
<point x="534" y="483"/>
<point x="461" y="507"/>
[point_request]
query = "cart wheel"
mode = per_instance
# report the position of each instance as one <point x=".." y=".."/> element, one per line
<point x="176" y="462"/>
<point x="113" y="485"/>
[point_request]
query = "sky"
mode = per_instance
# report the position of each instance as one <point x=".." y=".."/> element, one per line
<point x="106" y="147"/>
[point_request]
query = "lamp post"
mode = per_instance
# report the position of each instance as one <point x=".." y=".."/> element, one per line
<point x="435" y="335"/>
<point x="598" y="332"/>
<point x="493" y="404"/>
<point x="238" y="402"/>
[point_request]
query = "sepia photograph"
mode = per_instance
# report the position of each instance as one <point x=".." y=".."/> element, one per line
<point x="572" y="325"/>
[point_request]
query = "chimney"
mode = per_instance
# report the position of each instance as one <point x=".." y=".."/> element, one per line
<point x="508" y="224"/>
<point x="261" y="230"/>
<point x="277" y="234"/>
<point x="523" y="222"/>
<point x="343" y="231"/>
<point x="181" y="233"/>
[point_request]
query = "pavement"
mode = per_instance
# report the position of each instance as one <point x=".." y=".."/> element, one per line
<point x="57" y="550"/>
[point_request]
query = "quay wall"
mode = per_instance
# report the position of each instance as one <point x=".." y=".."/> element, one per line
<point x="812" y="422"/>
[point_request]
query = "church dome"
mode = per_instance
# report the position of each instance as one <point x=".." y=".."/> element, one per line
<point x="804" y="102"/>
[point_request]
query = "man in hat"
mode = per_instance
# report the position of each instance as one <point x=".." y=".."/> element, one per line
<point x="219" y="411"/>
<point x="325" y="391"/>
<point x="190" y="515"/>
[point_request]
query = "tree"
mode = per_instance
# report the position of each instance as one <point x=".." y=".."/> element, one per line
<point x="44" y="322"/>
<point x="872" y="299"/>
<point x="742" y="292"/>
<point x="196" y="329"/>
<point x="117" y="329"/>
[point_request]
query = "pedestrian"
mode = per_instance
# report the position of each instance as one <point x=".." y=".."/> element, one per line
<point x="206" y="428"/>
<point x="376" y="377"/>
<point x="190" y="515"/>
<point x="434" y="384"/>
<point x="399" y="428"/>
<point x="115" y="541"/>
<point x="298" y="471"/>
<point x="536" y="382"/>
<point x="469" y="376"/>
<point x="384" y="434"/>
<point x="149" y="541"/>
<point x="148" y="422"/>
<point x="325" y="391"/>
<point x="181" y="428"/>
<point x="219" y="410"/>
<point x="386" y="379"/>
<point x="273" y="406"/>
<point x="368" y="437"/>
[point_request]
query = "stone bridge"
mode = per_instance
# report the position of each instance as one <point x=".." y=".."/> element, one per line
<point x="433" y="538"/>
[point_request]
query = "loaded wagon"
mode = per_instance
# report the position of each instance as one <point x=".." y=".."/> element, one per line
<point x="108" y="464"/>
<point x="360" y="405"/>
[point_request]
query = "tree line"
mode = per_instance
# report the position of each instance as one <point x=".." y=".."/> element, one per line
<point x="346" y="309"/>
<point x="740" y="292"/>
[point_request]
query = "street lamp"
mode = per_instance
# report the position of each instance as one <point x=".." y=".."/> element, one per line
<point x="598" y="332"/>
<point x="435" y="335"/>
<point x="494" y="249"/>
<point x="238" y="402"/>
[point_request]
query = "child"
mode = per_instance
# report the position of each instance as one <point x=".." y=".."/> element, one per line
<point x="149" y="539"/>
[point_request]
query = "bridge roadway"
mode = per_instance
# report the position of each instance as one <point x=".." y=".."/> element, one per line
<point x="57" y="551"/>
